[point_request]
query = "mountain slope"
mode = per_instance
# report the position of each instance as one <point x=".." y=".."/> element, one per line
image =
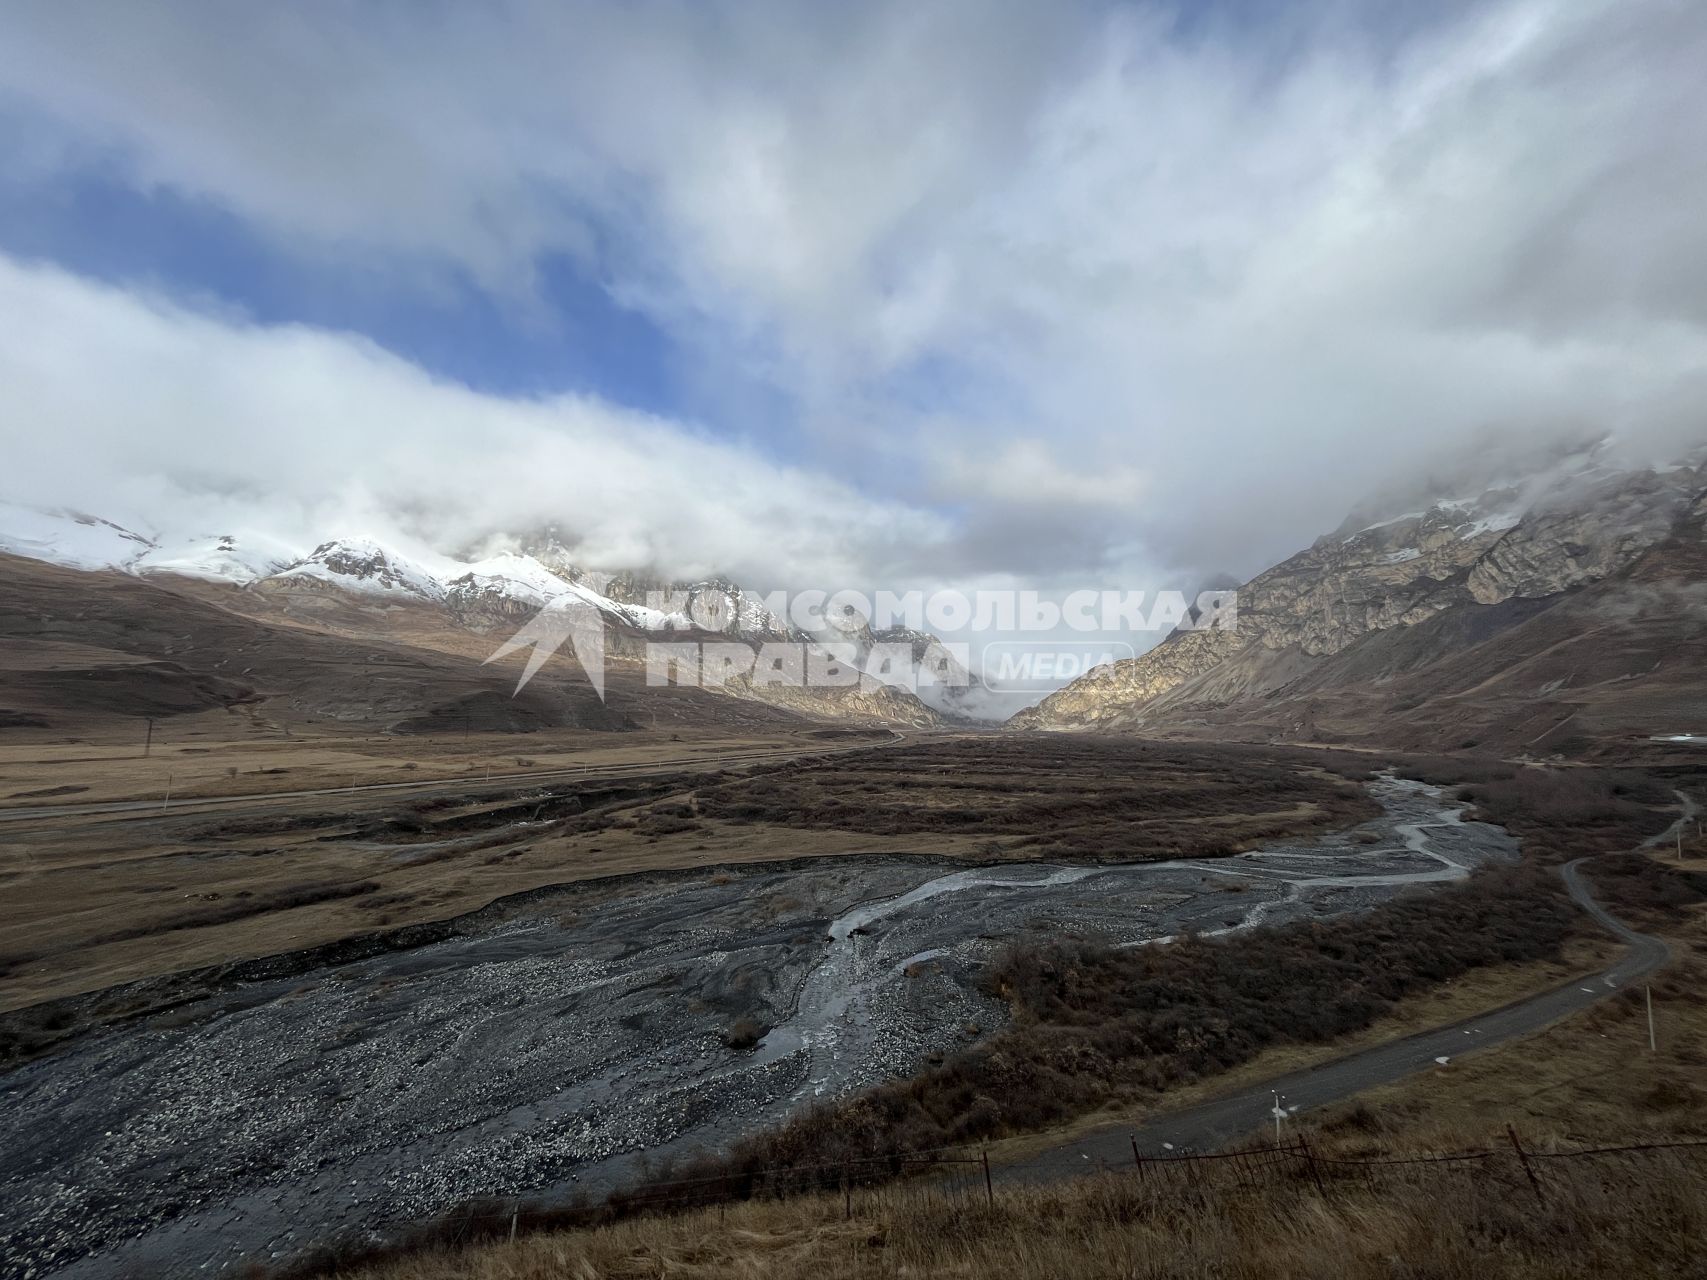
<point x="361" y="589"/>
<point x="1541" y="618"/>
<point x="81" y="647"/>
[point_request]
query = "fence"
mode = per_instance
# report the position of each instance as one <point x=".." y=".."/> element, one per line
<point x="968" y="1174"/>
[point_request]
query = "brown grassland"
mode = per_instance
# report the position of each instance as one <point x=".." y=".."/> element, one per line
<point x="1434" y="1222"/>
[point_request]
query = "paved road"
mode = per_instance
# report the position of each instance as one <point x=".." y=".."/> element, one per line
<point x="592" y="772"/>
<point x="1239" y="1114"/>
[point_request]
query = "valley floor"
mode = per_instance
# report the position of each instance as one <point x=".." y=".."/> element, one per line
<point x="1589" y="1081"/>
<point x="419" y="833"/>
<point x="686" y="947"/>
<point x="546" y="1044"/>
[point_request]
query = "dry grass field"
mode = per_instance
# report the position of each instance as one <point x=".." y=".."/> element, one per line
<point x="1590" y="1076"/>
<point x="192" y="761"/>
<point x="99" y="898"/>
<point x="1437" y="1224"/>
<point x="1055" y="796"/>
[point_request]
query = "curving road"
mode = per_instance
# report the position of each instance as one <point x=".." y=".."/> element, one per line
<point x="1238" y="1114"/>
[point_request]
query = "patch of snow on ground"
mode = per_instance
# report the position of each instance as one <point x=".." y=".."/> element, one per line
<point x="1498" y="523"/>
<point x="1382" y="524"/>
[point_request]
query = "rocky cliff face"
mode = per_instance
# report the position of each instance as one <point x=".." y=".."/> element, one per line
<point x="867" y="702"/>
<point x="1583" y="534"/>
<point x="1106" y="694"/>
<point x="1576" y="526"/>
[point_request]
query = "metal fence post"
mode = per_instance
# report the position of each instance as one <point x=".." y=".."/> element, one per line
<point x="1523" y="1159"/>
<point x="1310" y="1157"/>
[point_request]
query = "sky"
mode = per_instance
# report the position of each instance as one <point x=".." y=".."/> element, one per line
<point x="977" y="293"/>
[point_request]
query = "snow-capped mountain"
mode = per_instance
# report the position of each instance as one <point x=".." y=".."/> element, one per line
<point x="69" y="538"/>
<point x="484" y="590"/>
<point x="504" y="584"/>
<point x="233" y="558"/>
<point x="80" y="541"/>
<point x="497" y="591"/>
<point x="361" y="565"/>
<point x="714" y="604"/>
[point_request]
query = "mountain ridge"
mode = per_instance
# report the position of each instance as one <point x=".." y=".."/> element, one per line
<point x="1397" y="611"/>
<point x="358" y="586"/>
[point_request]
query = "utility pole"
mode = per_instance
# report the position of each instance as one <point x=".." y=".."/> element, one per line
<point x="168" y="800"/>
<point x="148" y="742"/>
<point x="1653" y="1045"/>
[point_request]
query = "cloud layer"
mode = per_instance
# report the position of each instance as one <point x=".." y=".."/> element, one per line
<point x="1054" y="293"/>
<point x="139" y="410"/>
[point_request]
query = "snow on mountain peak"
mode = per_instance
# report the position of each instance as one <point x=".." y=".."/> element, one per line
<point x="69" y="538"/>
<point x="80" y="541"/>
<point x="362" y="564"/>
<point x="235" y="558"/>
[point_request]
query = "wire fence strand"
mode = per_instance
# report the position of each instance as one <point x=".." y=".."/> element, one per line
<point x="1235" y="1165"/>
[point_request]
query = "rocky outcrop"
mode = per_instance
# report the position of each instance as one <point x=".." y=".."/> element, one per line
<point x="868" y="702"/>
<point x="1107" y="692"/>
<point x="1582" y="536"/>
